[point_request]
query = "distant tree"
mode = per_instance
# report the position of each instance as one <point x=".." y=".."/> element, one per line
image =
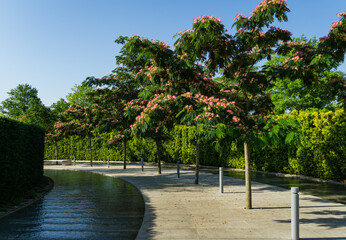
<point x="24" y="104"/>
<point x="59" y="108"/>
<point x="20" y="100"/>
<point x="79" y="95"/>
<point x="38" y="114"/>
<point x="55" y="132"/>
<point x="80" y="121"/>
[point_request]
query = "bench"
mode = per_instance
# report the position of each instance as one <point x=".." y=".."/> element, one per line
<point x="53" y="162"/>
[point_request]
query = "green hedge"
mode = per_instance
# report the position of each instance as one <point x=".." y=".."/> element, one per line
<point x="21" y="158"/>
<point x="325" y="158"/>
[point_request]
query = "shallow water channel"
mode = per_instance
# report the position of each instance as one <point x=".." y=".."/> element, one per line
<point x="82" y="205"/>
<point x="326" y="190"/>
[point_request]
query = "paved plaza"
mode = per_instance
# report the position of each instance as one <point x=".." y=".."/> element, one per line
<point x="176" y="208"/>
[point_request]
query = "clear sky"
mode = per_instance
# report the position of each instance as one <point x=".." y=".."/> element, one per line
<point x="54" y="44"/>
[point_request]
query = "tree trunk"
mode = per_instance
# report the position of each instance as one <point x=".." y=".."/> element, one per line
<point x="56" y="152"/>
<point x="197" y="163"/>
<point x="247" y="177"/>
<point x="91" y="152"/>
<point x="158" y="143"/>
<point x="125" y="143"/>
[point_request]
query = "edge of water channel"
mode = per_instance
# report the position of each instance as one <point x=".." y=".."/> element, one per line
<point x="286" y="175"/>
<point x="27" y="202"/>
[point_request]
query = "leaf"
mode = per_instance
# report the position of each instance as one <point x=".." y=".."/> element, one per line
<point x="289" y="138"/>
<point x="180" y="113"/>
<point x="276" y="129"/>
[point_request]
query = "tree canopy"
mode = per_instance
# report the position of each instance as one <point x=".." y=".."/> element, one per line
<point x="24" y="104"/>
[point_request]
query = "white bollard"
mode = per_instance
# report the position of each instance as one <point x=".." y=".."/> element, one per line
<point x="221" y="179"/>
<point x="108" y="162"/>
<point x="74" y="161"/>
<point x="295" y="213"/>
<point x="142" y="164"/>
<point x="178" y="169"/>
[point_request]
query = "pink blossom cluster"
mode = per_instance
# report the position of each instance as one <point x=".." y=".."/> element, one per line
<point x="206" y="116"/>
<point x="116" y="138"/>
<point x="136" y="104"/>
<point x="335" y="25"/>
<point x="255" y="50"/>
<point x="133" y="36"/>
<point x="149" y="71"/>
<point x="341" y="14"/>
<point x="205" y="18"/>
<point x="157" y="103"/>
<point x="262" y="7"/>
<point x="164" y="45"/>
<point x="239" y="16"/>
<point x="293" y="43"/>
<point x="279" y="30"/>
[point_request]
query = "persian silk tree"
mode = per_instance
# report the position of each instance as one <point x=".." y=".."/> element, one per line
<point x="54" y="135"/>
<point x="80" y="121"/>
<point x="110" y="98"/>
<point x="239" y="57"/>
<point x="141" y="57"/>
<point x="170" y="81"/>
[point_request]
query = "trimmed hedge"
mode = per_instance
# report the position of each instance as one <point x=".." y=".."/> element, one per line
<point x="325" y="158"/>
<point x="21" y="158"/>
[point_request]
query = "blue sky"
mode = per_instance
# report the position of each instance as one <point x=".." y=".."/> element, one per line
<point x="54" y="44"/>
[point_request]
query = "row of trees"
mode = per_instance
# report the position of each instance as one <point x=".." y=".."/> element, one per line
<point x="24" y="104"/>
<point x="217" y="83"/>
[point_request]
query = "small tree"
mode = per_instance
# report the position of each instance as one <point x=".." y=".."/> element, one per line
<point x="80" y="121"/>
<point x="165" y="77"/>
<point x="238" y="57"/>
<point x="54" y="136"/>
<point x="110" y="99"/>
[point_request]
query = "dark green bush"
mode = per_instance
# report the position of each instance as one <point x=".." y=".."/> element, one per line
<point x="21" y="158"/>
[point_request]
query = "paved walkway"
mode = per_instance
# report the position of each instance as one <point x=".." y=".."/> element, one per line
<point x="176" y="208"/>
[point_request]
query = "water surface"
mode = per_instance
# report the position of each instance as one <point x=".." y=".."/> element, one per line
<point x="82" y="205"/>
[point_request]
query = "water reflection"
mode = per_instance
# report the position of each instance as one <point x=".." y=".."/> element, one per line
<point x="329" y="191"/>
<point x="82" y="205"/>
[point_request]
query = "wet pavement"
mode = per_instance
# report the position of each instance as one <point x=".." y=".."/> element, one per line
<point x="82" y="205"/>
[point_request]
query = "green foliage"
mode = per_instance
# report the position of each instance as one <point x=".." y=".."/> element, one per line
<point x="58" y="109"/>
<point x="79" y="96"/>
<point x="316" y="149"/>
<point x="76" y="146"/>
<point x="19" y="101"/>
<point x="21" y="162"/>
<point x="24" y="104"/>
<point x="305" y="142"/>
<point x="294" y="94"/>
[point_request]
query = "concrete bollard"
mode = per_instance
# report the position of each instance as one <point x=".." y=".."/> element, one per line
<point x="74" y="161"/>
<point x="108" y="164"/>
<point x="178" y="169"/>
<point x="142" y="164"/>
<point x="221" y="179"/>
<point x="295" y="213"/>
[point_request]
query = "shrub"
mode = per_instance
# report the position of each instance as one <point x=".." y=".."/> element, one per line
<point x="21" y="161"/>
